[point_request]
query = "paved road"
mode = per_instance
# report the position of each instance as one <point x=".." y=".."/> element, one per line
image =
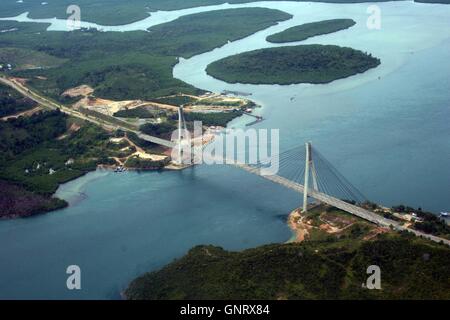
<point x="100" y="122"/>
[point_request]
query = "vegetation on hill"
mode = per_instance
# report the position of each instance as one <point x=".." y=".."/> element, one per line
<point x="329" y="261"/>
<point x="308" y="30"/>
<point x="35" y="151"/>
<point x="13" y="103"/>
<point x="176" y="100"/>
<point x="145" y="164"/>
<point x="139" y="112"/>
<point x="23" y="133"/>
<point x="289" y="65"/>
<point x="193" y="34"/>
<point x="163" y="129"/>
<point x="410" y="269"/>
<point x="16" y="201"/>
<point x="39" y="152"/>
<point x="213" y="119"/>
<point x="426" y="221"/>
<point x="434" y="1"/>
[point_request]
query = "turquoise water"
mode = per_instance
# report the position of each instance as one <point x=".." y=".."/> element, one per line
<point x="387" y="131"/>
<point x="134" y="222"/>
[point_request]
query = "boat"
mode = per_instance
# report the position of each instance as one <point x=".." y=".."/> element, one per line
<point x="120" y="169"/>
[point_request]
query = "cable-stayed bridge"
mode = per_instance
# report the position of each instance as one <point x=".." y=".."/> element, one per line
<point x="328" y="186"/>
<point x="307" y="172"/>
<point x="315" y="177"/>
<point x="304" y="170"/>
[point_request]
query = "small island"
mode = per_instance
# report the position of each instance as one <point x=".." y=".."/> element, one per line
<point x="308" y="30"/>
<point x="292" y="65"/>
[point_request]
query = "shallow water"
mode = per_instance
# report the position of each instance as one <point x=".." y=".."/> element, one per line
<point x="389" y="136"/>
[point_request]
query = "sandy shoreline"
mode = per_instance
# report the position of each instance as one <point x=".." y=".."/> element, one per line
<point x="299" y="228"/>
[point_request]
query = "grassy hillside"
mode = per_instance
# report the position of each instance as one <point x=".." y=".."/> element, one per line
<point x="410" y="269"/>
<point x="308" y="30"/>
<point x="132" y="65"/>
<point x="329" y="260"/>
<point x="296" y="64"/>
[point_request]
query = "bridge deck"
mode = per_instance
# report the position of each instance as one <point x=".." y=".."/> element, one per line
<point x="156" y="140"/>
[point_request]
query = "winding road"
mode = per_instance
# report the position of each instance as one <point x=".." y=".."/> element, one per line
<point x="45" y="102"/>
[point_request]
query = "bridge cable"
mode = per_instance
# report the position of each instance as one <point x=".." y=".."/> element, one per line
<point x="342" y="182"/>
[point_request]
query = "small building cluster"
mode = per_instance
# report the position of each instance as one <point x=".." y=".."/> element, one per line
<point x="7" y="67"/>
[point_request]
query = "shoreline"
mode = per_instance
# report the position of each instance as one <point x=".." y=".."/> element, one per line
<point x="76" y="196"/>
<point x="299" y="229"/>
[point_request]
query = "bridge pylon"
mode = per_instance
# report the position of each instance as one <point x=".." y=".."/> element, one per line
<point x="310" y="169"/>
<point x="182" y="131"/>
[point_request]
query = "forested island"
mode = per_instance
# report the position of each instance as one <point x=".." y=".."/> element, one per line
<point x="308" y="30"/>
<point x="291" y="65"/>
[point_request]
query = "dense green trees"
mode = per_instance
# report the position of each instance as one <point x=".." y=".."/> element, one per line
<point x="12" y="102"/>
<point x="139" y="112"/>
<point x="16" y="201"/>
<point x="213" y="119"/>
<point x="411" y="269"/>
<point x="23" y="133"/>
<point x="296" y="64"/>
<point x="163" y="129"/>
<point x="176" y="100"/>
<point x="432" y="224"/>
<point x="146" y="164"/>
<point x="308" y="30"/>
<point x="34" y="159"/>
